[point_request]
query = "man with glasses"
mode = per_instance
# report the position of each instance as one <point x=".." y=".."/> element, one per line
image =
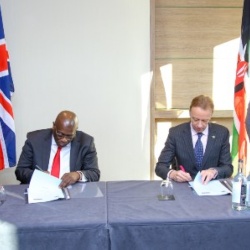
<point x="61" y="151"/>
<point x="196" y="146"/>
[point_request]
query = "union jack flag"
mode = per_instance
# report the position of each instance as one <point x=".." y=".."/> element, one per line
<point x="7" y="126"/>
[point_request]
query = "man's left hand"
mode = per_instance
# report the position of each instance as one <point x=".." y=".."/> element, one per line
<point x="207" y="175"/>
<point x="68" y="179"/>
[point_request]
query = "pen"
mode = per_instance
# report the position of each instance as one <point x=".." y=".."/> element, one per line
<point x="227" y="185"/>
<point x="37" y="167"/>
<point x="182" y="168"/>
<point x="66" y="193"/>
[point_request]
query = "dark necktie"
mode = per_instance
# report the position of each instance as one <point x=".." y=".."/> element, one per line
<point x="198" y="151"/>
<point x="55" y="170"/>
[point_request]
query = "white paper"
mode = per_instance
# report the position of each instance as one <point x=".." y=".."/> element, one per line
<point x="44" y="187"/>
<point x="213" y="187"/>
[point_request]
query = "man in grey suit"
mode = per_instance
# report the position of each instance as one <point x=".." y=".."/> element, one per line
<point x="182" y="142"/>
<point x="78" y="156"/>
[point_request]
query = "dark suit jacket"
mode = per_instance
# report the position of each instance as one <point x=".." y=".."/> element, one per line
<point x="36" y="151"/>
<point x="179" y="146"/>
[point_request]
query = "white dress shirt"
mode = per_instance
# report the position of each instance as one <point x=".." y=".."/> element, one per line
<point x="203" y="138"/>
<point x="64" y="159"/>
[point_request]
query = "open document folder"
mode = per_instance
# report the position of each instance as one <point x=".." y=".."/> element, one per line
<point x="45" y="187"/>
<point x="213" y="187"/>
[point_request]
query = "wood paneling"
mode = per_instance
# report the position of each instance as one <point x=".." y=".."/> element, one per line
<point x="189" y="78"/>
<point x="195" y="3"/>
<point x="194" y="32"/>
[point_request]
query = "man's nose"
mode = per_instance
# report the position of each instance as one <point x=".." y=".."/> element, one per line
<point x="64" y="139"/>
<point x="200" y="123"/>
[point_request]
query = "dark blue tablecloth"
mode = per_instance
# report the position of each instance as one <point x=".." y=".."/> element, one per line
<point x="78" y="223"/>
<point x="138" y="220"/>
<point x="122" y="215"/>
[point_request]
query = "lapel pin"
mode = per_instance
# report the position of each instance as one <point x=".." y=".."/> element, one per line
<point x="213" y="136"/>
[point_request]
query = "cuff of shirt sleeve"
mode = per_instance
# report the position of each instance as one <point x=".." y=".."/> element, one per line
<point x="216" y="172"/>
<point x="82" y="177"/>
<point x="169" y="172"/>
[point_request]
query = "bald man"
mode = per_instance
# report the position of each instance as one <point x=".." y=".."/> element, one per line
<point x="78" y="156"/>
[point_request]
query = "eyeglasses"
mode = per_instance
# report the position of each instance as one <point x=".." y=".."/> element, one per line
<point x="196" y="120"/>
<point x="61" y="135"/>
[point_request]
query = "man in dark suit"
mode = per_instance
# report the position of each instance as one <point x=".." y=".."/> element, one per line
<point x="181" y="145"/>
<point x="78" y="156"/>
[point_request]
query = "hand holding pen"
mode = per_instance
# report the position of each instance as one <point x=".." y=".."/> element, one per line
<point x="182" y="168"/>
<point x="181" y="175"/>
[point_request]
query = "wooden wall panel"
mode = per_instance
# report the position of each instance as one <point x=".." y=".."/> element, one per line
<point x="194" y="32"/>
<point x="201" y="3"/>
<point x="186" y="38"/>
<point x="189" y="78"/>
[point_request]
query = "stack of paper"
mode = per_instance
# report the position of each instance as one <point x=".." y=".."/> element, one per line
<point x="44" y="187"/>
<point x="213" y="187"/>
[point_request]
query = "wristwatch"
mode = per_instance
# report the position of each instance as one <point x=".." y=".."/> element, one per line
<point x="80" y="174"/>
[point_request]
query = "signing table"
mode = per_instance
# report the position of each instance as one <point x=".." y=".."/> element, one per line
<point x="137" y="220"/>
<point x="78" y="223"/>
<point x="123" y="215"/>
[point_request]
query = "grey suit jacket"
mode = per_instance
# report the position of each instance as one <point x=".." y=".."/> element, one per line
<point x="179" y="147"/>
<point x="36" y="151"/>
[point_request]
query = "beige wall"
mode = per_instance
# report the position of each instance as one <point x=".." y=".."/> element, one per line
<point x="91" y="57"/>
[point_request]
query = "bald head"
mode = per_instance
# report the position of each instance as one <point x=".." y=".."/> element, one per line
<point x="67" y="119"/>
<point x="64" y="127"/>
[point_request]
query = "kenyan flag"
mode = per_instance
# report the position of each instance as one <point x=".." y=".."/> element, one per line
<point x="239" y="143"/>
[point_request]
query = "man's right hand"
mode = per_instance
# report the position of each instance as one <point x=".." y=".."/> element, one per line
<point x="180" y="176"/>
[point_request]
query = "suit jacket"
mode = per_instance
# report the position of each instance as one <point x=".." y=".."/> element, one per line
<point x="36" y="151"/>
<point x="179" y="147"/>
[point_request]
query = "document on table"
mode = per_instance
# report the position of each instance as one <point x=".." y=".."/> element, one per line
<point x="45" y="187"/>
<point x="213" y="187"/>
